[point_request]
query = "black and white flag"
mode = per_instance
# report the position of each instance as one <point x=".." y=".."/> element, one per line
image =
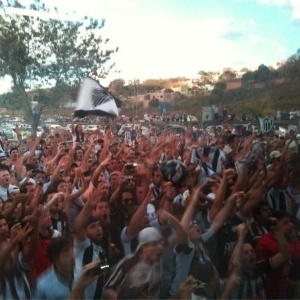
<point x="94" y="99"/>
<point x="211" y="159"/>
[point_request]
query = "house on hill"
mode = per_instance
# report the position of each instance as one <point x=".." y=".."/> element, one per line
<point x="233" y="85"/>
<point x="162" y="96"/>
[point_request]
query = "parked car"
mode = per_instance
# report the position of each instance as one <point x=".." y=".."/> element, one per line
<point x="91" y="127"/>
<point x="8" y="133"/>
<point x="27" y="130"/>
<point x="175" y="129"/>
<point x="191" y="118"/>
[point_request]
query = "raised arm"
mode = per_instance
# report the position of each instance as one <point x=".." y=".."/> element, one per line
<point x="255" y="194"/>
<point x="106" y="142"/>
<point x="18" y="236"/>
<point x="134" y="225"/>
<point x="81" y="220"/>
<point x="190" y="210"/>
<point x="100" y="169"/>
<point x="85" y="279"/>
<point x="29" y="247"/>
<point x="284" y="254"/>
<point x="180" y="236"/>
<point x="228" y="207"/>
<point x="221" y="193"/>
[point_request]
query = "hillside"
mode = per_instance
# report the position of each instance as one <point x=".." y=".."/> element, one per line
<point x="255" y="102"/>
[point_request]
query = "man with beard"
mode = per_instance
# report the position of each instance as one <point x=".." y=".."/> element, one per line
<point x="88" y="243"/>
<point x="139" y="274"/>
<point x="141" y="269"/>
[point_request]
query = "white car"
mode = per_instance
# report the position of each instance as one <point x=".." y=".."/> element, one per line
<point x="9" y="134"/>
<point x="90" y="127"/>
<point x="191" y="118"/>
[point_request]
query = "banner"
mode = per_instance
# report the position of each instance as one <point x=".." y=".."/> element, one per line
<point x="266" y="124"/>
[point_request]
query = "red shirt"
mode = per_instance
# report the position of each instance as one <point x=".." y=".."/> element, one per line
<point x="276" y="281"/>
<point x="41" y="261"/>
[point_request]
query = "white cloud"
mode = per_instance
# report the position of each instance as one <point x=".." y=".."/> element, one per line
<point x="275" y="2"/>
<point x="293" y="5"/>
<point x="256" y="39"/>
<point x="251" y="22"/>
<point x="281" y="49"/>
<point x="150" y="50"/>
<point x="278" y="47"/>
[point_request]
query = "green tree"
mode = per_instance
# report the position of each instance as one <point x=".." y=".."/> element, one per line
<point x="291" y="69"/>
<point x="116" y="86"/>
<point x="247" y="78"/>
<point x="219" y="89"/>
<point x="36" y="52"/>
<point x="260" y="109"/>
<point x="227" y="75"/>
<point x="263" y="74"/>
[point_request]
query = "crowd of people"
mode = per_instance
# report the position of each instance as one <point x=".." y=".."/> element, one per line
<point x="88" y="215"/>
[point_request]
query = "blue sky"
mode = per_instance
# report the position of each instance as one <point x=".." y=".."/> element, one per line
<point x="171" y="38"/>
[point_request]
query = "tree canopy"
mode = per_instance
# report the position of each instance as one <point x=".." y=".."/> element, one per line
<point x="45" y="52"/>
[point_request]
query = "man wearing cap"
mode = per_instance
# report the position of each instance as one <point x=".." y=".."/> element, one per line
<point x="141" y="269"/>
<point x="274" y="156"/>
<point x="113" y="148"/>
<point x="139" y="273"/>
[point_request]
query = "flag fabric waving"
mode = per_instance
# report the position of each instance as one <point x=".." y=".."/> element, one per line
<point x="211" y="159"/>
<point x="94" y="99"/>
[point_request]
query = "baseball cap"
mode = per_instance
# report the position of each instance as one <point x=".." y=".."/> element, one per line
<point x="275" y="154"/>
<point x="91" y="220"/>
<point x="148" y="235"/>
<point x="13" y="188"/>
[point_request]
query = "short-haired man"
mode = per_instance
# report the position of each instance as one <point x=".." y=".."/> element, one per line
<point x="4" y="183"/>
<point x="57" y="281"/>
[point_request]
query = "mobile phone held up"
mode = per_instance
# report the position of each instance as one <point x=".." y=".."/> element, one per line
<point x="99" y="269"/>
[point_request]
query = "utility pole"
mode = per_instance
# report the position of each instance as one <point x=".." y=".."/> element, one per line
<point x="135" y="82"/>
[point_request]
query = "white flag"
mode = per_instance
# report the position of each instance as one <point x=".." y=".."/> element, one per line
<point x="94" y="99"/>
